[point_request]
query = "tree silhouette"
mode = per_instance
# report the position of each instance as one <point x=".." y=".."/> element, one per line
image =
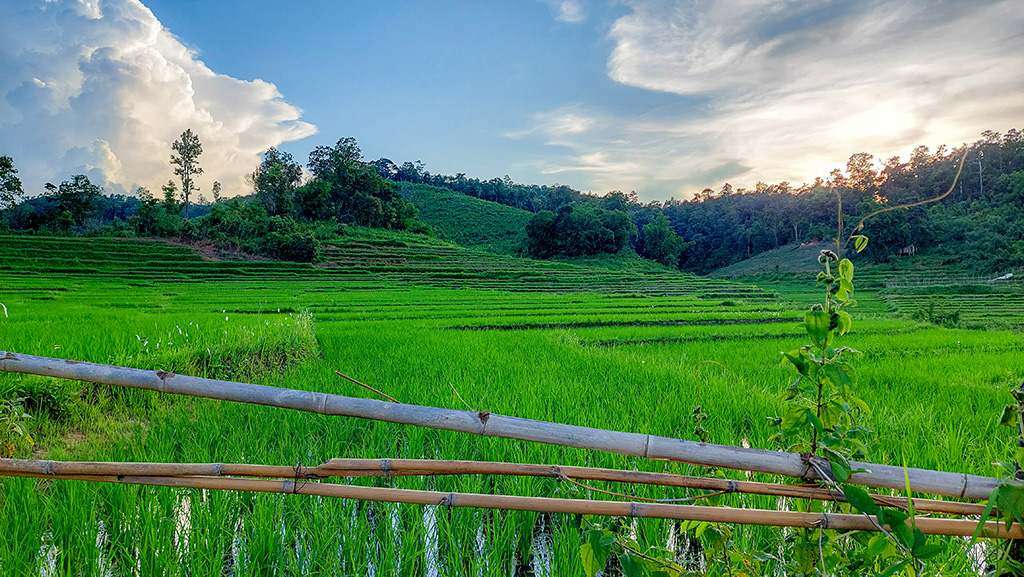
<point x="186" y="162"/>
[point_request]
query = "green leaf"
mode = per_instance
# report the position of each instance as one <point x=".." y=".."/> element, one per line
<point x="837" y="375"/>
<point x="815" y="421"/>
<point x="859" y="242"/>
<point x="840" y="465"/>
<point x="630" y="566"/>
<point x="891" y="516"/>
<point x="928" y="550"/>
<point x="840" y="472"/>
<point x="892" y="570"/>
<point x="845" y="322"/>
<point x="860" y="404"/>
<point x="817" y="323"/>
<point x="876" y="546"/>
<point x="798" y="359"/>
<point x="700" y="529"/>
<point x="896" y="520"/>
<point x="795" y="419"/>
<point x="860" y="499"/>
<point x="846" y="270"/>
<point x="1009" y="416"/>
<point x="590" y="564"/>
<point x="919" y="539"/>
<point x="1011" y="503"/>
<point x="594" y="553"/>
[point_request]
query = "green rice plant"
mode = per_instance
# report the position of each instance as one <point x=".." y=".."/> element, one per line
<point x="934" y="312"/>
<point x="41" y="395"/>
<point x="933" y="391"/>
<point x="14" y="432"/>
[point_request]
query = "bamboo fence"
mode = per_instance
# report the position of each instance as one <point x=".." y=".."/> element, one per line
<point x="837" y="521"/>
<point x="489" y="424"/>
<point x="431" y="467"/>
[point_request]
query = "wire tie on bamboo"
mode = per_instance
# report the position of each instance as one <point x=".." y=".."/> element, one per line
<point x="48" y="467"/>
<point x="448" y="500"/>
<point x="823" y="523"/>
<point x="808" y="461"/>
<point x="731" y="487"/>
<point x="298" y="475"/>
<point x="557" y="473"/>
<point x="385" y="465"/>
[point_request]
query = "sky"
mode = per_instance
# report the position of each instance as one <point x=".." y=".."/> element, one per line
<point x="663" y="97"/>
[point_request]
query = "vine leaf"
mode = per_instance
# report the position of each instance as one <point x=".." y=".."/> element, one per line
<point x="630" y="566"/>
<point x="817" y="323"/>
<point x="860" y="499"/>
<point x="1011" y="504"/>
<point x="859" y="242"/>
<point x="594" y="553"/>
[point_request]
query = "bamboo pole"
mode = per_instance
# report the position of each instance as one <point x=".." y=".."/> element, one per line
<point x="838" y="521"/>
<point x="423" y="467"/>
<point x="488" y="424"/>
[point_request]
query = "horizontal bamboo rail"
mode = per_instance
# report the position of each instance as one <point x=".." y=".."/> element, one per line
<point x="423" y="467"/>
<point x="488" y="424"/>
<point x="838" y="521"/>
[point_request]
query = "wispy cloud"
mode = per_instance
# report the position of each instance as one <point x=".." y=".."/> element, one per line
<point x="102" y="88"/>
<point x="792" y="88"/>
<point x="567" y="10"/>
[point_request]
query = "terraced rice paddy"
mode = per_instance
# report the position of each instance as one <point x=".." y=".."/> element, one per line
<point x="427" y="323"/>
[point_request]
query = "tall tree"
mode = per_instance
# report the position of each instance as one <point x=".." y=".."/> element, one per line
<point x="353" y="190"/>
<point x="274" y="181"/>
<point x="10" y="184"/>
<point x="76" y="199"/>
<point x="170" y="198"/>
<point x="186" y="163"/>
<point x="661" y="243"/>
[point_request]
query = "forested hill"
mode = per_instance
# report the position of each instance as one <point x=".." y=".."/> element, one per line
<point x="977" y="224"/>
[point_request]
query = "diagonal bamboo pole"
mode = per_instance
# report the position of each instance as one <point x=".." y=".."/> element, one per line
<point x="427" y="467"/>
<point x="838" y="521"/>
<point x="959" y="485"/>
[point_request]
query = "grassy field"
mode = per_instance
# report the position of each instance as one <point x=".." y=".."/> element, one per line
<point x="915" y="287"/>
<point x="421" y="319"/>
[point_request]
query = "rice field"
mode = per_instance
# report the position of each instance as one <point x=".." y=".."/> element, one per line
<point x="428" y="323"/>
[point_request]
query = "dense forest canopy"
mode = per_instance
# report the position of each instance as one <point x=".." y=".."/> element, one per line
<point x="715" y="228"/>
<point x="977" y="223"/>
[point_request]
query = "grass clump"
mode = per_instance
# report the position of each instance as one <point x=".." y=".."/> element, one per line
<point x="250" y="352"/>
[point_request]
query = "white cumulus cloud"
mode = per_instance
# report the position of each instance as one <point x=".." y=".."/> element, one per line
<point x="102" y="88"/>
<point x="779" y="90"/>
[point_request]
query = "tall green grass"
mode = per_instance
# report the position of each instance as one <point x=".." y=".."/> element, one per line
<point x="589" y="356"/>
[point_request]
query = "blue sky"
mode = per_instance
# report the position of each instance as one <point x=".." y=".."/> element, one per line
<point x="444" y="82"/>
<point x="664" y="97"/>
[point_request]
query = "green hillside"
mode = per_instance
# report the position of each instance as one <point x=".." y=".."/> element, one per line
<point x="468" y="221"/>
<point x="923" y="287"/>
<point x="793" y="257"/>
<point x="362" y="258"/>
